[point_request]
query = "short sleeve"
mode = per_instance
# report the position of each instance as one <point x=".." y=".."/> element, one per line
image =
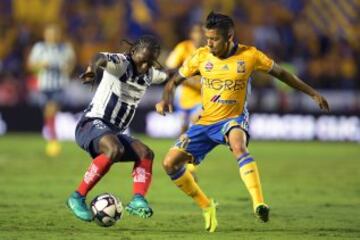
<point x="191" y="65"/>
<point x="70" y="52"/>
<point x="176" y="57"/>
<point x="115" y="63"/>
<point x="158" y="76"/>
<point x="263" y="62"/>
<point x="35" y="53"/>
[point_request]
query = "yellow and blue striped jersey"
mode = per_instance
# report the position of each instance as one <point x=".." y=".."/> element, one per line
<point x="224" y="81"/>
<point x="189" y="97"/>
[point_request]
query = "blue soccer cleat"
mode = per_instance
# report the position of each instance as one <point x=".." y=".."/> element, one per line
<point x="139" y="206"/>
<point x="77" y="205"/>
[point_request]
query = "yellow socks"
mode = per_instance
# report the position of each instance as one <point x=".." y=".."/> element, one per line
<point x="185" y="181"/>
<point x="250" y="175"/>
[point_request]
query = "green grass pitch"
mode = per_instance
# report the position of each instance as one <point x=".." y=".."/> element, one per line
<point x="313" y="189"/>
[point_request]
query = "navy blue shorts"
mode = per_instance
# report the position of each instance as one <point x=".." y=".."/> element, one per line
<point x="89" y="131"/>
<point x="57" y="96"/>
<point x="199" y="140"/>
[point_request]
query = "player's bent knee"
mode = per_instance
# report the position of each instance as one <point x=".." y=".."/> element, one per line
<point x="168" y="165"/>
<point x="239" y="149"/>
<point x="148" y="154"/>
<point x="174" y="160"/>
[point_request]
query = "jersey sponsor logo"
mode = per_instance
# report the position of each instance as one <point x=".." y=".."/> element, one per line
<point x="113" y="58"/>
<point x="223" y="85"/>
<point x="241" y="67"/>
<point x="209" y="66"/>
<point x="217" y="99"/>
<point x="140" y="80"/>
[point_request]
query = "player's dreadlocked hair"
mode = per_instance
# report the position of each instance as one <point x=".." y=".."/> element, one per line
<point x="221" y="22"/>
<point x="145" y="41"/>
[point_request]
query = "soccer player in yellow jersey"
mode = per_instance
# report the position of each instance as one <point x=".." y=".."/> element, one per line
<point x="188" y="101"/>
<point x="225" y="68"/>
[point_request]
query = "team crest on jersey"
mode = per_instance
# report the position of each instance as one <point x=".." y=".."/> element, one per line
<point x="240" y="66"/>
<point x="209" y="66"/>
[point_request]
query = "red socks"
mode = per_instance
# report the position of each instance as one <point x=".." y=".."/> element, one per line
<point x="142" y="174"/>
<point x="50" y="125"/>
<point x="98" y="168"/>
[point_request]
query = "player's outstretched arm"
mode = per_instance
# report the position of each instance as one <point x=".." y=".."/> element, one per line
<point x="165" y="105"/>
<point x="295" y="82"/>
<point x="89" y="76"/>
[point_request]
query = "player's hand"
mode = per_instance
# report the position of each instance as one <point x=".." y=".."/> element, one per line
<point x="88" y="76"/>
<point x="322" y="102"/>
<point x="162" y="107"/>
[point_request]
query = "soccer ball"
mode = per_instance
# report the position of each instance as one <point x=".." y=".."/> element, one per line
<point x="107" y="209"/>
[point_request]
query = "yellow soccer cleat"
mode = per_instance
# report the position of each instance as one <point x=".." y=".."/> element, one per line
<point x="53" y="148"/>
<point x="209" y="214"/>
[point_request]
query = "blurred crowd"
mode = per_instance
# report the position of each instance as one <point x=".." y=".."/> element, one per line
<point x="317" y="39"/>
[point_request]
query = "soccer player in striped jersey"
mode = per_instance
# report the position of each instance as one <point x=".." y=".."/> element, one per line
<point x="225" y="67"/>
<point x="123" y="80"/>
<point x="53" y="61"/>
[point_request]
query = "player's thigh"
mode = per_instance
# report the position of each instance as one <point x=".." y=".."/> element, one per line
<point x="89" y="135"/>
<point x="110" y="145"/>
<point x="237" y="139"/>
<point x="52" y="102"/>
<point x="134" y="149"/>
<point x="195" y="143"/>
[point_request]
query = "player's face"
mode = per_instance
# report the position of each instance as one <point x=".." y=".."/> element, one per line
<point x="52" y="34"/>
<point x="144" y="59"/>
<point x="216" y="42"/>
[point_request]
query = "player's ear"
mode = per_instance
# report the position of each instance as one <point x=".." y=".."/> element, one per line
<point x="132" y="51"/>
<point x="231" y="36"/>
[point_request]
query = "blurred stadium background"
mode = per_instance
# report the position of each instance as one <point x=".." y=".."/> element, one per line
<point x="312" y="187"/>
<point x="317" y="39"/>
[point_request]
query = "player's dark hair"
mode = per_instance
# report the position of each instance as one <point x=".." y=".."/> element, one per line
<point x="145" y="41"/>
<point x="221" y="22"/>
<point x="149" y="42"/>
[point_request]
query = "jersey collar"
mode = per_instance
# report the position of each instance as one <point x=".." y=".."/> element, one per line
<point x="233" y="50"/>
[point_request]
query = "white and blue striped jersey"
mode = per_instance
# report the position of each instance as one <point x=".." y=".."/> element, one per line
<point x="58" y="58"/>
<point x="120" y="91"/>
